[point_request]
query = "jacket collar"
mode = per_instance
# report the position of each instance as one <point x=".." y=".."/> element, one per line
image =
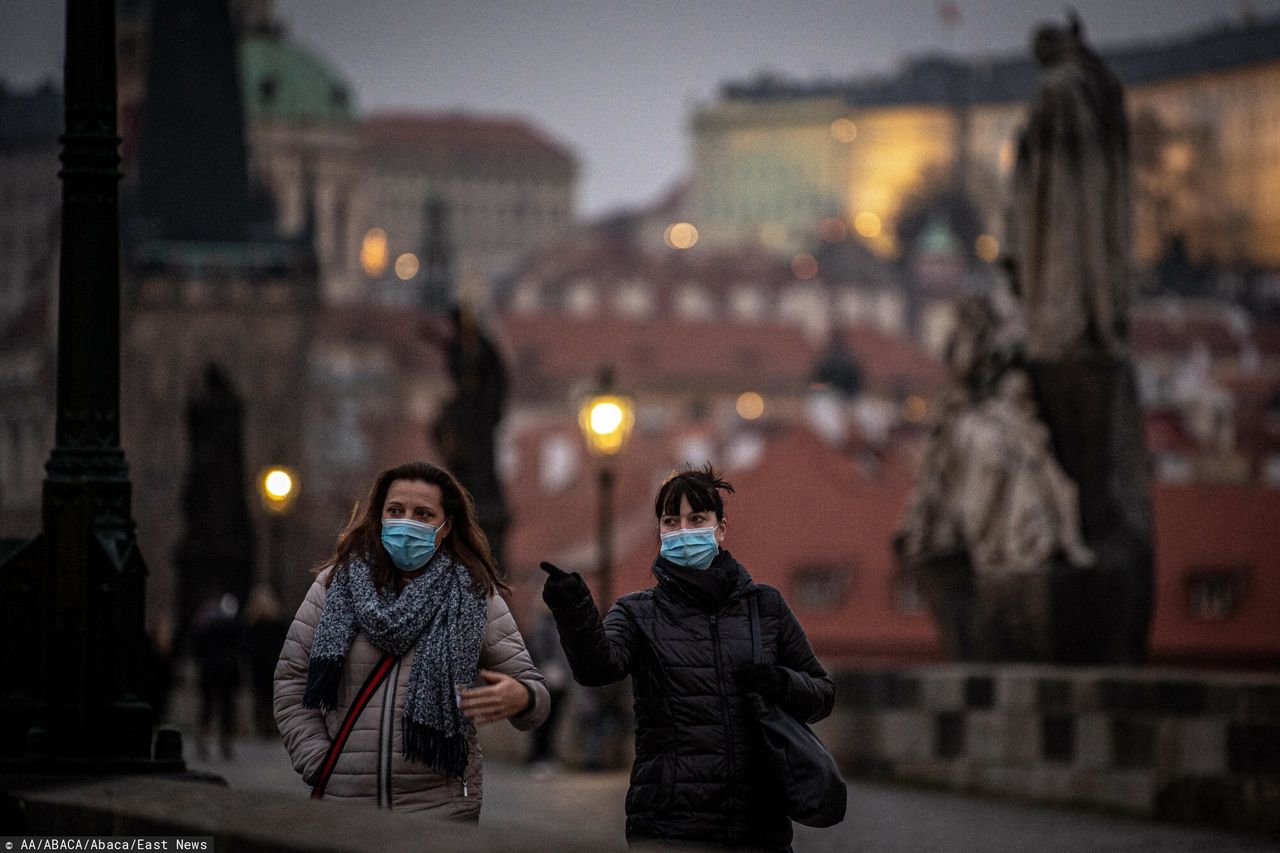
<point x="707" y="589"/>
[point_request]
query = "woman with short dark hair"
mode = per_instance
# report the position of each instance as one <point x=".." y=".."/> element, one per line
<point x="411" y="593"/>
<point x="687" y="644"/>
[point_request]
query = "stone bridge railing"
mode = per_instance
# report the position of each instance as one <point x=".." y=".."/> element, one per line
<point x="1175" y="745"/>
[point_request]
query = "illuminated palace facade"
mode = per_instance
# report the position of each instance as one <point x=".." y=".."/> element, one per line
<point x="774" y="159"/>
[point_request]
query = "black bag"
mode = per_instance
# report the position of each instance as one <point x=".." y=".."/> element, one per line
<point x="812" y="790"/>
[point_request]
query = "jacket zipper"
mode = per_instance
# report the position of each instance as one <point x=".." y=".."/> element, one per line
<point x="385" y="738"/>
<point x="724" y="701"/>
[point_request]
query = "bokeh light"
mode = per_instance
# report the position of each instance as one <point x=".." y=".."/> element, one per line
<point x="804" y="266"/>
<point x="986" y="247"/>
<point x="914" y="409"/>
<point x="844" y="130"/>
<point x="750" y="405"/>
<point x="373" y="252"/>
<point x="681" y="235"/>
<point x="867" y="224"/>
<point x="406" y="266"/>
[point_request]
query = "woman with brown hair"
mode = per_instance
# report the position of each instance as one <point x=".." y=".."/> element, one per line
<point x="404" y="617"/>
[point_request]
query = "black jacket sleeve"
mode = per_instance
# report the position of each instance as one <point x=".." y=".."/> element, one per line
<point x="598" y="654"/>
<point x="810" y="694"/>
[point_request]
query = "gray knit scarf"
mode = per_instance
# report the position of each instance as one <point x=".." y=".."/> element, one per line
<point x="441" y="616"/>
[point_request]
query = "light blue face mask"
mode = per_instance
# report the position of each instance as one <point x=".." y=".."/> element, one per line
<point x="409" y="544"/>
<point x="693" y="549"/>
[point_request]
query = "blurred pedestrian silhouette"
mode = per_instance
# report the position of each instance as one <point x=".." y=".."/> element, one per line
<point x="265" y="627"/>
<point x="216" y="633"/>
<point x="544" y="647"/>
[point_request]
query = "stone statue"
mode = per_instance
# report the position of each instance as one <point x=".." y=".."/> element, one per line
<point x="1030" y="525"/>
<point x="1069" y="264"/>
<point x="465" y="429"/>
<point x="992" y="512"/>
<point x="1069" y="234"/>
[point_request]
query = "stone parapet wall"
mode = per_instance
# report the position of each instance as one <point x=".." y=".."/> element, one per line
<point x="1175" y="745"/>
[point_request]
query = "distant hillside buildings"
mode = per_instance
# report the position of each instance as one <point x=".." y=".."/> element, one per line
<point x="774" y="158"/>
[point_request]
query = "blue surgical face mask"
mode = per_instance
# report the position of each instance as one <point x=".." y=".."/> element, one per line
<point x="693" y="549"/>
<point x="409" y="544"/>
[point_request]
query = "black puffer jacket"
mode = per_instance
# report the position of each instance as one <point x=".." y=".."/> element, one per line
<point x="697" y="774"/>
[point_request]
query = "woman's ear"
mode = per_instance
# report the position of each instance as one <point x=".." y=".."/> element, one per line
<point x="445" y="527"/>
<point x="721" y="529"/>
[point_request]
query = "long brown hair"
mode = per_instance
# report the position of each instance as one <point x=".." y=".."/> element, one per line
<point x="465" y="541"/>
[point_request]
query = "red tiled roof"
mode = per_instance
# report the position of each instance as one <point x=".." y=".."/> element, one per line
<point x="890" y="360"/>
<point x="550" y="351"/>
<point x="457" y="130"/>
<point x="1164" y="327"/>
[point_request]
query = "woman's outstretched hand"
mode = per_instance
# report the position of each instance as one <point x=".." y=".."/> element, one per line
<point x="561" y="587"/>
<point x="501" y="698"/>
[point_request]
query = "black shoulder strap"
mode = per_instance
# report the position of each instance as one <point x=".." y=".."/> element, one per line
<point x="753" y="603"/>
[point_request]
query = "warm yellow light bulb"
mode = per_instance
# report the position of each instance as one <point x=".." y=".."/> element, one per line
<point x="606" y="418"/>
<point x="277" y="484"/>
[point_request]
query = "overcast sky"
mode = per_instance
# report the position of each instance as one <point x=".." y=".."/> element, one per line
<point x="615" y="80"/>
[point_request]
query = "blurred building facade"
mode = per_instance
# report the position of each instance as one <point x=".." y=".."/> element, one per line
<point x="362" y="184"/>
<point x="774" y="158"/>
<point x="307" y="293"/>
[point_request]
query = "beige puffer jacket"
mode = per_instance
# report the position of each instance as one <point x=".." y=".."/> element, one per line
<point x="372" y="767"/>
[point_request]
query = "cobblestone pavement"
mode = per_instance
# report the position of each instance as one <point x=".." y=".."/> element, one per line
<point x="880" y="819"/>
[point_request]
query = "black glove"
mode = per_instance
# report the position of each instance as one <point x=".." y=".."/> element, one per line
<point x="561" y="587"/>
<point x="768" y="680"/>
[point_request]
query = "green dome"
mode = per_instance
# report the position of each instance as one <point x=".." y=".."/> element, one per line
<point x="287" y="82"/>
<point x="938" y="239"/>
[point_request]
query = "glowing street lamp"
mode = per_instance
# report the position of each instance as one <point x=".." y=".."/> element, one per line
<point x="278" y="486"/>
<point x="606" y="420"/>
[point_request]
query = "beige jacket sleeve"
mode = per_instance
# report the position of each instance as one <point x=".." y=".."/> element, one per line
<point x="306" y="738"/>
<point x="504" y="651"/>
